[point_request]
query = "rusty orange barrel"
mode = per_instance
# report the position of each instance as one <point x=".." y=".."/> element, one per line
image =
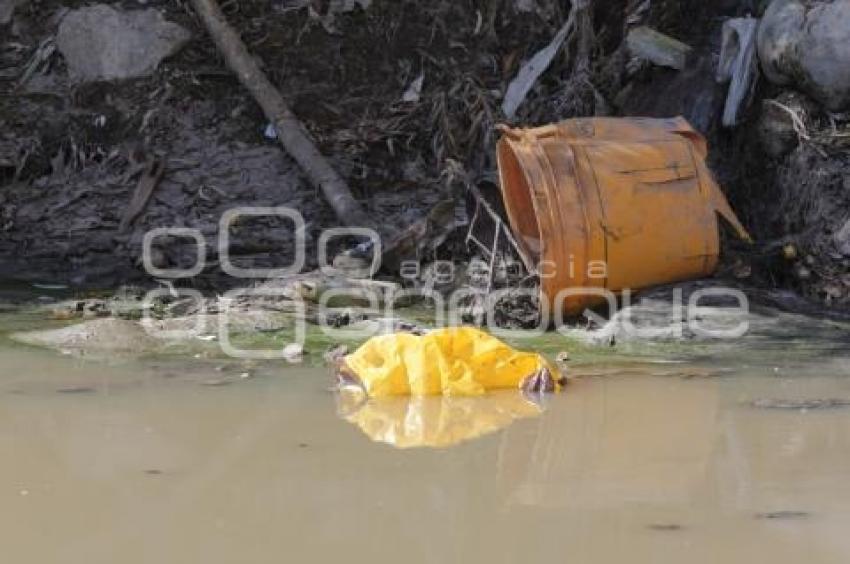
<point x="611" y="203"/>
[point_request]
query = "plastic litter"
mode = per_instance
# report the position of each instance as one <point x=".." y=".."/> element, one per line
<point x="612" y="204"/>
<point x="459" y="361"/>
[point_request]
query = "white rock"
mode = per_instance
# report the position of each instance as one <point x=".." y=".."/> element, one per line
<point x="102" y="43"/>
<point x="293" y="352"/>
<point x="807" y="43"/>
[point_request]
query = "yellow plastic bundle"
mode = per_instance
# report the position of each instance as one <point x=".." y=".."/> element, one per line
<point x="458" y="361"/>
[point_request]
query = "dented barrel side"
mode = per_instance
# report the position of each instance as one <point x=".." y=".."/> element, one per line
<point x="612" y="203"/>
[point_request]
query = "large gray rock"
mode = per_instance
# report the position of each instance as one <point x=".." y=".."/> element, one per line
<point x="101" y="43"/>
<point x="806" y="43"/>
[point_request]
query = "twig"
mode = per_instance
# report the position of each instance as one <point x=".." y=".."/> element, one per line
<point x="144" y="190"/>
<point x="799" y="126"/>
<point x="291" y="132"/>
<point x="493" y="255"/>
<point x="531" y="71"/>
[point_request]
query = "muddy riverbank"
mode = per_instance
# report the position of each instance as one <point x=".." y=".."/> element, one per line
<point x="72" y="151"/>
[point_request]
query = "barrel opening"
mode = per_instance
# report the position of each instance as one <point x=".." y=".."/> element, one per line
<point x="516" y="192"/>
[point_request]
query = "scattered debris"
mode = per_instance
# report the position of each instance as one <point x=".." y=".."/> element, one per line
<point x="217" y="382"/>
<point x="414" y="91"/>
<point x="786" y="514"/>
<point x="738" y="66"/>
<point x="333" y="8"/>
<point x="100" y="42"/>
<point x="659" y="49"/>
<point x="77" y="390"/>
<point x="39" y="62"/>
<point x="293" y="353"/>
<point x="528" y="74"/>
<point x="270" y="132"/>
<point x="802" y="404"/>
<point x="665" y="527"/>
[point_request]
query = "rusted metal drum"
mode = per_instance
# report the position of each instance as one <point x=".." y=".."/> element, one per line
<point x="611" y="203"/>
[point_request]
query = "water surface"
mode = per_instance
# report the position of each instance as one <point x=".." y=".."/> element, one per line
<point x="192" y="460"/>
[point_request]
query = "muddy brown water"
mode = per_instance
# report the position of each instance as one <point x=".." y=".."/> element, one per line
<point x="158" y="461"/>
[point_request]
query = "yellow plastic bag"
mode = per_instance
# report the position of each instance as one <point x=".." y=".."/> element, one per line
<point x="458" y="361"/>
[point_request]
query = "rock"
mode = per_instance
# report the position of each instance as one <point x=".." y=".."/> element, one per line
<point x="842" y="239"/>
<point x="7" y="8"/>
<point x="662" y="50"/>
<point x="95" y="336"/>
<point x="807" y="43"/>
<point x="102" y="43"/>
<point x="293" y="352"/>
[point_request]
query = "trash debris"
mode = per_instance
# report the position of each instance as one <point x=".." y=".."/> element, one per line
<point x="414" y="91"/>
<point x="47" y="286"/>
<point x="293" y="353"/>
<point x="40" y="61"/>
<point x="270" y="132"/>
<point x="738" y="66"/>
<point x="434" y="422"/>
<point x="661" y="204"/>
<point x="459" y="361"/>
<point x="657" y="48"/>
<point x="801" y="404"/>
<point x="334" y="7"/>
<point x="528" y="74"/>
<point x="783" y="514"/>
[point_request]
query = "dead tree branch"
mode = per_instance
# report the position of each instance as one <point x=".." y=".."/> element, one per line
<point x="291" y="132"/>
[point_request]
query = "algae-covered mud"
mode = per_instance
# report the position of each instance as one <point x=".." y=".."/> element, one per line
<point x="659" y="451"/>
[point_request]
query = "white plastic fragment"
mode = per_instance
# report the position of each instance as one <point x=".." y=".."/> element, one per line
<point x="414" y="91"/>
<point x="270" y="132"/>
<point x="528" y="74"/>
<point x="738" y="65"/>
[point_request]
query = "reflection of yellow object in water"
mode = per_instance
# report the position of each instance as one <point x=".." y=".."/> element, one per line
<point x="461" y="361"/>
<point x="407" y="422"/>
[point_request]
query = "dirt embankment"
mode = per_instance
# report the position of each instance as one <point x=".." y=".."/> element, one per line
<point x="71" y="152"/>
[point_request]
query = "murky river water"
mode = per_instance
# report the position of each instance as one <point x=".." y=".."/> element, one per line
<point x="638" y="462"/>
